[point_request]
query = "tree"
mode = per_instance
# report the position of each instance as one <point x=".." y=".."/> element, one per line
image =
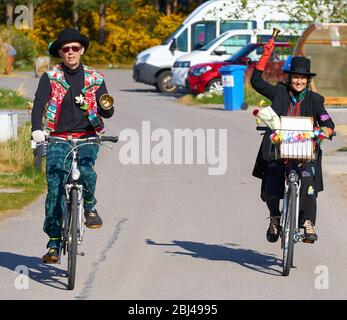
<point x="31" y="14"/>
<point x="31" y="6"/>
<point x="9" y="12"/>
<point x="75" y="13"/>
<point x="318" y="10"/>
<point x="102" y="24"/>
<point x="168" y="7"/>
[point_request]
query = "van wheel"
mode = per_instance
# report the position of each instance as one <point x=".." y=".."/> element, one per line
<point x="215" y="86"/>
<point x="164" y="84"/>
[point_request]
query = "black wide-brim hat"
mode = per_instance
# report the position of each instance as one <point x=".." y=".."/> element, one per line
<point x="300" y="65"/>
<point x="66" y="36"/>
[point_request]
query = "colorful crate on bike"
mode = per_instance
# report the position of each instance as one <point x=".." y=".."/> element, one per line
<point x="296" y="135"/>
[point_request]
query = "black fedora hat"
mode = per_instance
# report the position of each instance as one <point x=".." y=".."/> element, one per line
<point x="65" y="36"/>
<point x="300" y="65"/>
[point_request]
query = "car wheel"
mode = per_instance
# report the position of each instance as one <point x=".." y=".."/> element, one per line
<point x="215" y="86"/>
<point x="164" y="84"/>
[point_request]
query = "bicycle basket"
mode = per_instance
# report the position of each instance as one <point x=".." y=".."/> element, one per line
<point x="296" y="138"/>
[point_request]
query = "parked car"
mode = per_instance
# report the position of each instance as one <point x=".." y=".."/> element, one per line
<point x="223" y="48"/>
<point x="206" y="77"/>
<point x="205" y="23"/>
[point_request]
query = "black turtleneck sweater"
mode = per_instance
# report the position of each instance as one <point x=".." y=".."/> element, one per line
<point x="72" y="118"/>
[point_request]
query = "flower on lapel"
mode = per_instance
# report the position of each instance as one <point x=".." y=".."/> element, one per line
<point x="80" y="100"/>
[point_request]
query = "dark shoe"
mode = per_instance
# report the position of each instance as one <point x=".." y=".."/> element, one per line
<point x="93" y="220"/>
<point x="310" y="234"/>
<point x="52" y="256"/>
<point x="273" y="232"/>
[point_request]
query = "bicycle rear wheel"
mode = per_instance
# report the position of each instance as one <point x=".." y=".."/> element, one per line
<point x="72" y="243"/>
<point x="289" y="231"/>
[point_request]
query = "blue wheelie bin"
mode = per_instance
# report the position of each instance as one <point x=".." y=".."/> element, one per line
<point x="233" y="78"/>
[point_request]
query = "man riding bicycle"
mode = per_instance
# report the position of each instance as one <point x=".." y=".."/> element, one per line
<point x="68" y="99"/>
<point x="292" y="98"/>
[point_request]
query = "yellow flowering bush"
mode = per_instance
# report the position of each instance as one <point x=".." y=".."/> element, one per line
<point x="167" y="25"/>
<point x="2" y="57"/>
<point x="126" y="32"/>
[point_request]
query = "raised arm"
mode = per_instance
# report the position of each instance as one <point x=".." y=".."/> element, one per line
<point x="258" y="83"/>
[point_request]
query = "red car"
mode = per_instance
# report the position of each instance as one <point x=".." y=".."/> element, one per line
<point x="206" y="77"/>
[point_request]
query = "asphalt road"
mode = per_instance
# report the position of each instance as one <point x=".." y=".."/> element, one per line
<point x="173" y="231"/>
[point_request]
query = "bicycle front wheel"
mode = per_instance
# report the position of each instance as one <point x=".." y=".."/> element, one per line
<point x="72" y="243"/>
<point x="289" y="230"/>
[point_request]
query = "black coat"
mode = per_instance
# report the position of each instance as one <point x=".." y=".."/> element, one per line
<point x="311" y="106"/>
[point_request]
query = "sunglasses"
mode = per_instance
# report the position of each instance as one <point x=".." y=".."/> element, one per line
<point x="67" y="49"/>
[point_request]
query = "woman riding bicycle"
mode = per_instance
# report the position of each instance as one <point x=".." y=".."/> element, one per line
<point x="292" y="98"/>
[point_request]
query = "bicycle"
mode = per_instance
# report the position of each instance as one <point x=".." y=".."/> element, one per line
<point x="289" y="223"/>
<point x="72" y="217"/>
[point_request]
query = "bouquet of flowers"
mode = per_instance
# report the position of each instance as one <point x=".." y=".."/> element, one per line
<point x="268" y="117"/>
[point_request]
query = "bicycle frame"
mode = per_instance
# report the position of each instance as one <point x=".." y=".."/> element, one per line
<point x="74" y="175"/>
<point x="292" y="179"/>
<point x="73" y="183"/>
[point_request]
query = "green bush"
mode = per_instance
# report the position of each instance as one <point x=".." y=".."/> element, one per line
<point x="12" y="100"/>
<point x="25" y="47"/>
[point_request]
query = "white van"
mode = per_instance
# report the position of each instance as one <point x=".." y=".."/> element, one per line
<point x="205" y="23"/>
<point x="222" y="48"/>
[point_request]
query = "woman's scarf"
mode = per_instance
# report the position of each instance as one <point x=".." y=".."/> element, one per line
<point x="294" y="108"/>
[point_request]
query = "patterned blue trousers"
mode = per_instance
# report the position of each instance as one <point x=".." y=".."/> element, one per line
<point x="57" y="173"/>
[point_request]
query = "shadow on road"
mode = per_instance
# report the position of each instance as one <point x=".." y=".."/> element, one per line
<point x="247" y="258"/>
<point x="42" y="273"/>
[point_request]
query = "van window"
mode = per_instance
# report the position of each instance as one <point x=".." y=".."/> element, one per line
<point x="295" y="26"/>
<point x="210" y="44"/>
<point x="236" y="42"/>
<point x="168" y="39"/>
<point x="279" y="38"/>
<point x="182" y="41"/>
<point x="236" y="25"/>
<point x="250" y="51"/>
<point x="281" y="52"/>
<point x="202" y="33"/>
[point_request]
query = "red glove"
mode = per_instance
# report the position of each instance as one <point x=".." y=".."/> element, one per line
<point x="268" y="48"/>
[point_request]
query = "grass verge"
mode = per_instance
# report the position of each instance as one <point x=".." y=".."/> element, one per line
<point x="17" y="172"/>
<point x="12" y="100"/>
<point x="344" y="149"/>
<point x="252" y="98"/>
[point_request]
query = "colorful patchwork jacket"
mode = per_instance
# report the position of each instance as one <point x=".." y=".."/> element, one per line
<point x="92" y="82"/>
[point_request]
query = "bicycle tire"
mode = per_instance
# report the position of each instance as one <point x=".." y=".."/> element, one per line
<point x="289" y="231"/>
<point x="72" y="245"/>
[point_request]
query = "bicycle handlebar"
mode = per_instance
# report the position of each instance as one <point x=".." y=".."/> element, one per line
<point x="109" y="139"/>
<point x="266" y="129"/>
<point x="96" y="139"/>
<point x="260" y="128"/>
